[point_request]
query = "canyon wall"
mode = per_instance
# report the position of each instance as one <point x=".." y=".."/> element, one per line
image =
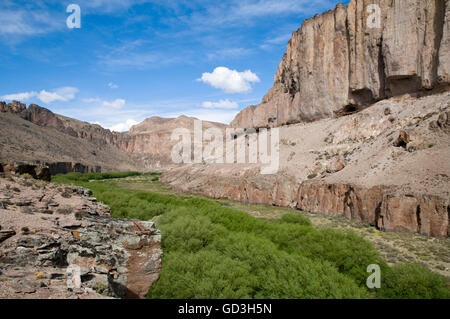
<point x="345" y="59"/>
<point x="381" y="206"/>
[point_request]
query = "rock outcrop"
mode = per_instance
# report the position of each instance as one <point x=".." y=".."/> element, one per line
<point x="347" y="58"/>
<point x="91" y="132"/>
<point x="44" y="171"/>
<point x="41" y="172"/>
<point x="14" y="107"/>
<point x="38" y="135"/>
<point x="70" y="167"/>
<point x="57" y="242"/>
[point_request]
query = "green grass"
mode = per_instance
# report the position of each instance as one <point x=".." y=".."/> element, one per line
<point x="214" y="251"/>
<point x="80" y="177"/>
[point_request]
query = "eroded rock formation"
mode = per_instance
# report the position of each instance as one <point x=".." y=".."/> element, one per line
<point x="57" y="242"/>
<point x="13" y="107"/>
<point x="343" y="60"/>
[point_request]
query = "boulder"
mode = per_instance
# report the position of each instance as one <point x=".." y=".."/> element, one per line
<point x="5" y="234"/>
<point x="43" y="173"/>
<point x="402" y="140"/>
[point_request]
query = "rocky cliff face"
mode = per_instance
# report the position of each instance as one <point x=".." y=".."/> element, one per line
<point x="91" y="132"/>
<point x="57" y="242"/>
<point x="22" y="141"/>
<point x="342" y="60"/>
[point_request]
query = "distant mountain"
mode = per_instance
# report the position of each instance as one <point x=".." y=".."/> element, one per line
<point x="37" y="134"/>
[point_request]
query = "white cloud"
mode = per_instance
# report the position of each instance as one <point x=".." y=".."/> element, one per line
<point x="113" y="86"/>
<point x="63" y="94"/>
<point x="123" y="127"/>
<point x="138" y="60"/>
<point x="19" y="96"/>
<point x="92" y="100"/>
<point x="116" y="104"/>
<point x="231" y="81"/>
<point x="243" y="12"/>
<point x="222" y="104"/>
<point x="20" y="21"/>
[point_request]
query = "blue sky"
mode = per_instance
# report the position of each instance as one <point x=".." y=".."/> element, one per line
<point x="132" y="59"/>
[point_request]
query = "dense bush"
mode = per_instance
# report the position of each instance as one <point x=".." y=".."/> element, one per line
<point x="213" y="251"/>
<point x="412" y="281"/>
<point x="295" y="219"/>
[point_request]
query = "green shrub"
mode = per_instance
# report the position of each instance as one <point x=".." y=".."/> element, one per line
<point x="214" y="251"/>
<point x="347" y="251"/>
<point x="413" y="281"/>
<point x="295" y="219"/>
<point x="205" y="274"/>
<point x="244" y="266"/>
<point x="189" y="233"/>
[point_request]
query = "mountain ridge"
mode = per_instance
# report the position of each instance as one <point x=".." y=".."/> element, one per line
<point x="145" y="146"/>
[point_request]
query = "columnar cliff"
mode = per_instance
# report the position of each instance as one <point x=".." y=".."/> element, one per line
<point x="350" y="57"/>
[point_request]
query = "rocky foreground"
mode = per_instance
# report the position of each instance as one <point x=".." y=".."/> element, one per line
<point x="57" y="242"/>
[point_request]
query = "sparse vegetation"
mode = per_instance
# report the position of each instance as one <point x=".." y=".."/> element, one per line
<point x="214" y="251"/>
